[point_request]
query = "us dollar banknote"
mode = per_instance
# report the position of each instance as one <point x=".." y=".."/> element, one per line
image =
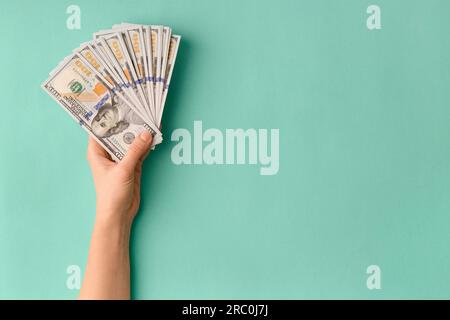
<point x="115" y="85"/>
<point x="97" y="106"/>
<point x="171" y="57"/>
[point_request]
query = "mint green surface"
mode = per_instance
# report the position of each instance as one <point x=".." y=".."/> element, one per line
<point x="364" y="119"/>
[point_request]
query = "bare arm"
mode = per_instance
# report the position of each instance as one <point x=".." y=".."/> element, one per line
<point x="117" y="188"/>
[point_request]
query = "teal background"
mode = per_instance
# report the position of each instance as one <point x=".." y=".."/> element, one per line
<point x="364" y="152"/>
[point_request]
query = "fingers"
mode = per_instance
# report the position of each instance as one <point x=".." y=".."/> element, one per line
<point x="139" y="148"/>
<point x="144" y="156"/>
<point x="95" y="151"/>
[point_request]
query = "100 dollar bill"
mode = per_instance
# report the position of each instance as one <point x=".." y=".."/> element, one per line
<point x="97" y="106"/>
<point x="172" y="55"/>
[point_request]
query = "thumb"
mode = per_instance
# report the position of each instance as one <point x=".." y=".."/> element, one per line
<point x="137" y="150"/>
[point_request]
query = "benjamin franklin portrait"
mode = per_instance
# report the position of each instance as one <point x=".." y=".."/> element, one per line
<point x="113" y="118"/>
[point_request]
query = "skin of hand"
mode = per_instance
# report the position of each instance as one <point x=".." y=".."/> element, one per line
<point x="117" y="187"/>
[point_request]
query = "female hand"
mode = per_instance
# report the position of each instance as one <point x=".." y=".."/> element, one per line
<point x="118" y="185"/>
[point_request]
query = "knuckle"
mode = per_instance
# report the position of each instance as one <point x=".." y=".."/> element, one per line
<point x="133" y="150"/>
<point x="136" y="146"/>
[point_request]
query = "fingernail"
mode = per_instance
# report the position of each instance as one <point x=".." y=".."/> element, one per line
<point x="146" y="136"/>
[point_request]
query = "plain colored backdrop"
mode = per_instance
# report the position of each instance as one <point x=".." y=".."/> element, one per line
<point x="364" y="119"/>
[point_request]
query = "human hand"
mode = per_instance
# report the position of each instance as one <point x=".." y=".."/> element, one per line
<point x="118" y="185"/>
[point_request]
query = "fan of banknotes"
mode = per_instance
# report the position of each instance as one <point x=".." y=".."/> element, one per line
<point x="115" y="86"/>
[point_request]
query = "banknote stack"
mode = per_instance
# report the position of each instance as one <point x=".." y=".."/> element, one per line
<point x="115" y="86"/>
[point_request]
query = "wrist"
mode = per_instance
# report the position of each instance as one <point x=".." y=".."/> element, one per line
<point x="112" y="220"/>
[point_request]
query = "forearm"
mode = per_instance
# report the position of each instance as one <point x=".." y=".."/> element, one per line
<point x="107" y="273"/>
